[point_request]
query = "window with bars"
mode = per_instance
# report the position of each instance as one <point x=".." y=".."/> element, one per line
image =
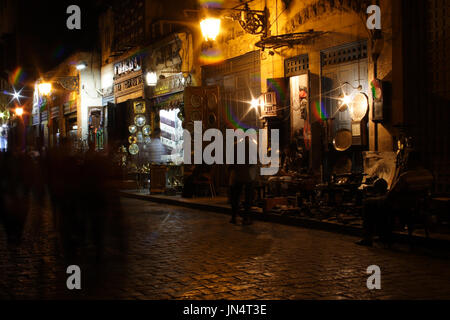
<point x="347" y="53"/>
<point x="129" y="23"/>
<point x="296" y="65"/>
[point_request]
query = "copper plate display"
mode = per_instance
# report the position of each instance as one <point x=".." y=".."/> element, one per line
<point x="140" y="120"/>
<point x="360" y="105"/>
<point x="132" y="129"/>
<point x="343" y="140"/>
<point x="196" y="101"/>
<point x="146" y="130"/>
<point x="212" y="119"/>
<point x="196" y="116"/>
<point x="134" y="149"/>
<point x="212" y="101"/>
<point x="190" y="127"/>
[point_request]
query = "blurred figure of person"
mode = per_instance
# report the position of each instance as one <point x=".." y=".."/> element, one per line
<point x="242" y="178"/>
<point x="14" y="194"/>
<point x="382" y="209"/>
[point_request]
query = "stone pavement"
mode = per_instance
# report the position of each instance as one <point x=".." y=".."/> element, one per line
<point x="181" y="253"/>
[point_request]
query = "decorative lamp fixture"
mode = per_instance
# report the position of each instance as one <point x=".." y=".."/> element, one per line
<point x="251" y="21"/>
<point x="210" y="28"/>
<point x="152" y="79"/>
<point x="81" y="66"/>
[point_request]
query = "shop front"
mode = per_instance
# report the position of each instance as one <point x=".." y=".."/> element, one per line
<point x="166" y="149"/>
<point x="128" y="115"/>
<point x="228" y="89"/>
<point x="167" y="75"/>
<point x="345" y="105"/>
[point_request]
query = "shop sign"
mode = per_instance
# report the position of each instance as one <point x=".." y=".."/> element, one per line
<point x="55" y="112"/>
<point x="132" y="84"/>
<point x="70" y="107"/>
<point x="170" y="84"/>
<point x="128" y="65"/>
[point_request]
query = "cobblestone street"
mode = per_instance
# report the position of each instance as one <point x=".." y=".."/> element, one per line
<point x="179" y="253"/>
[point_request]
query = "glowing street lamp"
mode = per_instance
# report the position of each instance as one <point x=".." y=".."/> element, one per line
<point x="81" y="66"/>
<point x="210" y="28"/>
<point x="16" y="95"/>
<point x="152" y="79"/>
<point x="45" y="88"/>
<point x="254" y="104"/>
<point x="19" y="111"/>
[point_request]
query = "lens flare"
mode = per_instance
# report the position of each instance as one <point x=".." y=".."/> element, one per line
<point x="45" y="88"/>
<point x="17" y="76"/>
<point x="254" y="104"/>
<point x="234" y="122"/>
<point x="319" y="112"/>
<point x="214" y="4"/>
<point x="211" y="56"/>
<point x="19" y="111"/>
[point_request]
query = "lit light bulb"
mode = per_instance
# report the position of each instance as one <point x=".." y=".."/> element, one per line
<point x="346" y="100"/>
<point x="45" y="88"/>
<point x="254" y="104"/>
<point x="152" y="79"/>
<point x="81" y="66"/>
<point x="210" y="28"/>
<point x="19" y="111"/>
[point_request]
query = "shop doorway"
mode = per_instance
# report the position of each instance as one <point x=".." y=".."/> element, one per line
<point x="239" y="81"/>
<point x="72" y="131"/>
<point x="96" y="128"/>
<point x="171" y="136"/>
<point x="344" y="76"/>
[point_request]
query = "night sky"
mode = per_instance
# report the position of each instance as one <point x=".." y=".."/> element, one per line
<point x="46" y="40"/>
